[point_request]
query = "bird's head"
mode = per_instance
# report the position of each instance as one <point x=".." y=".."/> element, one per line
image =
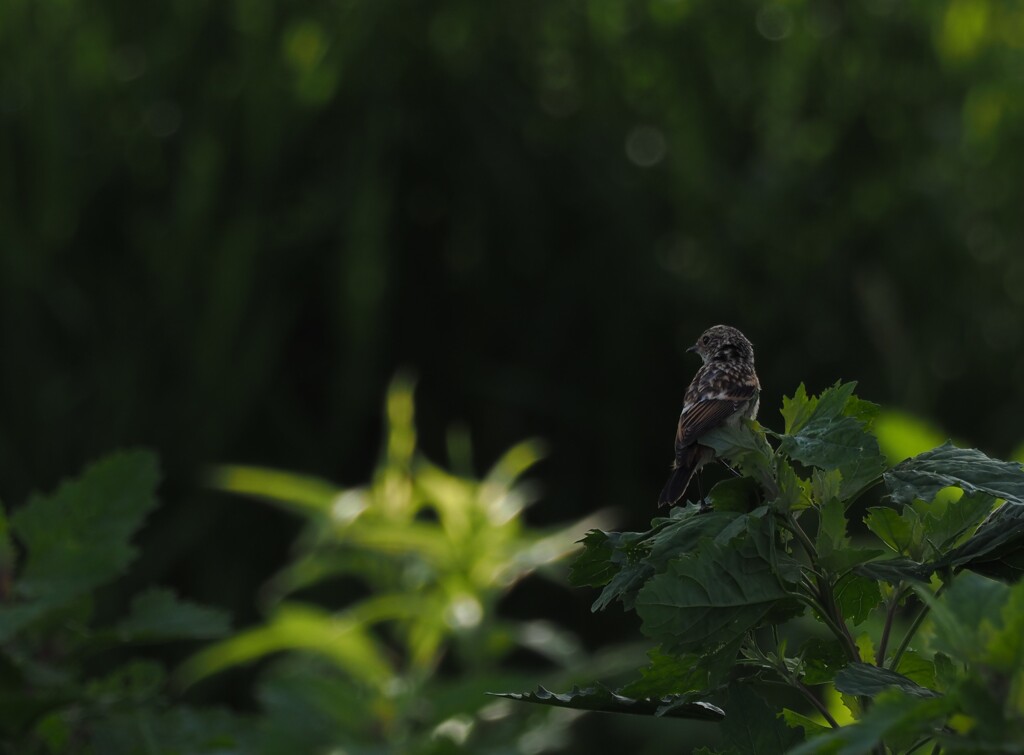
<point x="723" y="343"/>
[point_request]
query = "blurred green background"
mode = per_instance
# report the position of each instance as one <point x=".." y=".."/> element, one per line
<point x="225" y="226"/>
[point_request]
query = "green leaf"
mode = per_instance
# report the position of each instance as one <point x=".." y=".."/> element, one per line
<point x="965" y="615"/>
<point x="892" y="714"/>
<point x="601" y="698"/>
<point x="708" y="598"/>
<point x="865" y="679"/>
<point x="344" y="640"/>
<point x="830" y="433"/>
<point x="668" y="675"/>
<point x="736" y="494"/>
<point x="857" y="597"/>
<point x="998" y="538"/>
<point x="918" y="669"/>
<point x="78" y="537"/>
<point x="835" y="552"/>
<point x="900" y="531"/>
<point x="746" y="447"/>
<point x="750" y="726"/>
<point x="969" y="469"/>
<point x="894" y="570"/>
<point x="593" y="567"/>
<point x="637" y="556"/>
<point x="158" y="615"/>
<point x="799" y="721"/>
<point x="946" y="521"/>
<point x="822" y="658"/>
<point x="798" y="410"/>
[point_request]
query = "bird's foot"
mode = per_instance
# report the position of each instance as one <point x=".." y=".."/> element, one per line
<point x="705" y="506"/>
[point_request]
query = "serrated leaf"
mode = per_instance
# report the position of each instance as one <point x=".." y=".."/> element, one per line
<point x="999" y="537"/>
<point x="78" y="537"/>
<point x="798" y="410"/>
<point x="901" y="531"/>
<point x="793" y="491"/>
<point x="668" y="675"/>
<point x="809" y="726"/>
<point x="158" y="615"/>
<point x="865" y="679"/>
<point x="602" y="699"/>
<point x="833" y="437"/>
<point x="746" y="447"/>
<point x="969" y="469"/>
<point x="918" y="669"/>
<point x="947" y="521"/>
<point x="822" y="660"/>
<point x="708" y="598"/>
<point x="752" y="727"/>
<point x="857" y="597"/>
<point x="593" y="567"/>
<point x="638" y="555"/>
<point x="835" y="551"/>
<point x="894" y="570"/>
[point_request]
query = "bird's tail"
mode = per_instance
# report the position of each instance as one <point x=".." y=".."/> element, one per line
<point x="679" y="480"/>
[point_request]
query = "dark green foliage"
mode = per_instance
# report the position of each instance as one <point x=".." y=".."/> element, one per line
<point x="604" y="700"/>
<point x="727" y="594"/>
<point x="72" y="542"/>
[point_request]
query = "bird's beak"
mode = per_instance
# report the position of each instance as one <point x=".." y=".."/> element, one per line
<point x="693" y="349"/>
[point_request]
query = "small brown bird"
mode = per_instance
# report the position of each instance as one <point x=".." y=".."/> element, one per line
<point x="724" y="391"/>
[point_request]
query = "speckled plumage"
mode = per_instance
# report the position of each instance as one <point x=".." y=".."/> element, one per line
<point x="724" y="390"/>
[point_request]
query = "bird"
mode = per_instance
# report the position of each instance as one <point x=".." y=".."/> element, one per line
<point x="724" y="391"/>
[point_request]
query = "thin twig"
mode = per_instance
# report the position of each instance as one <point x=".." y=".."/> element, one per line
<point x="805" y="690"/>
<point x="889" y="614"/>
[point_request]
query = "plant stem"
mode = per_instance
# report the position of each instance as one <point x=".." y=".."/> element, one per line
<point x="805" y="690"/>
<point x="889" y="614"/>
<point x="913" y="630"/>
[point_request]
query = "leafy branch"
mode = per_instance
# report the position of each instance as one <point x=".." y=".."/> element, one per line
<point x="777" y="555"/>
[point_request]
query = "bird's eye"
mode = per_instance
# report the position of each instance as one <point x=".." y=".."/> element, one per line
<point x="705" y="340"/>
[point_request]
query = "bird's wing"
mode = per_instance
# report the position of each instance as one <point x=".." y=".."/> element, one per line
<point x="703" y="415"/>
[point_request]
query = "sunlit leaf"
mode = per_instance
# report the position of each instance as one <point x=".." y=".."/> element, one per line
<point x="341" y="639"/>
<point x="300" y="493"/>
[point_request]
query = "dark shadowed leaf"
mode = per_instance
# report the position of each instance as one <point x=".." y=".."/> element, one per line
<point x="603" y="699"/>
<point x="750" y="726"/>
<point x="823" y="658"/>
<point x="158" y="615"/>
<point x="924" y="475"/>
<point x="668" y="675"/>
<point x="857" y="597"/>
<point x="708" y="598"/>
<point x="1000" y="539"/>
<point x="894" y="570"/>
<point x="78" y="537"/>
<point x="865" y="679"/>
